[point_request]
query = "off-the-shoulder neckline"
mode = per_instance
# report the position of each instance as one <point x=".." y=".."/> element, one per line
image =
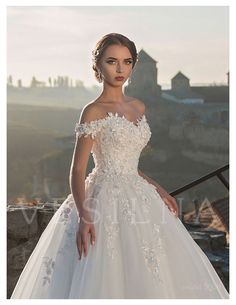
<point x="116" y="114"/>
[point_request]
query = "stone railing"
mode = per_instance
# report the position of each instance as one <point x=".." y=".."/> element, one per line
<point x="24" y="228"/>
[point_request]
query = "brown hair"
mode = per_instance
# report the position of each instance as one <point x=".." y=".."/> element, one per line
<point x="106" y="41"/>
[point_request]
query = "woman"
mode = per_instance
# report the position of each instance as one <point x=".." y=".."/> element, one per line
<point x="117" y="235"/>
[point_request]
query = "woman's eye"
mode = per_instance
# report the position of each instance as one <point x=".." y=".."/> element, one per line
<point x="111" y="61"/>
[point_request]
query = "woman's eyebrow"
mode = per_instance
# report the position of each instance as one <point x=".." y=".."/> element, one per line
<point x="116" y="58"/>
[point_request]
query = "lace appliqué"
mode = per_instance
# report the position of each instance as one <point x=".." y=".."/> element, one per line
<point x="128" y="208"/>
<point x="49" y="264"/>
<point x="91" y="128"/>
<point x="128" y="211"/>
<point x="152" y="251"/>
<point x="150" y="189"/>
<point x="70" y="240"/>
<point x="66" y="210"/>
<point x="87" y="128"/>
<point x="112" y="230"/>
<point x="142" y="201"/>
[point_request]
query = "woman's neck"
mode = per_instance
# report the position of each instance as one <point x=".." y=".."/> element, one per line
<point x="112" y="94"/>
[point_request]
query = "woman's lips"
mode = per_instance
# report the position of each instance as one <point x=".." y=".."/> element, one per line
<point x="119" y="78"/>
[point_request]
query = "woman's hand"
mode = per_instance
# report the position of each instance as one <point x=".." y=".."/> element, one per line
<point x="86" y="227"/>
<point x="171" y="203"/>
<point x="169" y="200"/>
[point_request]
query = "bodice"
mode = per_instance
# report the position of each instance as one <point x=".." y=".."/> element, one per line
<point x="117" y="144"/>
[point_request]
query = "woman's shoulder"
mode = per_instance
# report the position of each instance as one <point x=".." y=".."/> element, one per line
<point x="90" y="122"/>
<point x="91" y="112"/>
<point x="138" y="104"/>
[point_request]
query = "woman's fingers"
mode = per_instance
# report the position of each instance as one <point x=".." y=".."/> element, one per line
<point x="93" y="236"/>
<point x="172" y="205"/>
<point x="79" y="245"/>
<point x="85" y="243"/>
<point x="82" y="240"/>
<point x="175" y="206"/>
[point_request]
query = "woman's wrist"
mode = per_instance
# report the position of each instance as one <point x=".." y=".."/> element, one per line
<point x="85" y="216"/>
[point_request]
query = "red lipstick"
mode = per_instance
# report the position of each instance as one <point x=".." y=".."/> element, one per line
<point x="119" y="78"/>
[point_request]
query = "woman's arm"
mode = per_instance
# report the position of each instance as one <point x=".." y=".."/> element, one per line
<point x="83" y="146"/>
<point x="82" y="149"/>
<point x="168" y="199"/>
<point x="78" y="171"/>
<point x="80" y="158"/>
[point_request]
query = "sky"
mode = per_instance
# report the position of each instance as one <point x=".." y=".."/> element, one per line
<point x="45" y="41"/>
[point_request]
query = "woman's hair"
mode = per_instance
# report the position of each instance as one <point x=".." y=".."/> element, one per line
<point x="108" y="40"/>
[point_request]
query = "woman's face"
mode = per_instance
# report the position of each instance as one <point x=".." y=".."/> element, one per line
<point x="116" y="62"/>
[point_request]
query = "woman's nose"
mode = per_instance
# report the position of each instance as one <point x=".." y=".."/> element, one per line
<point x="119" y="68"/>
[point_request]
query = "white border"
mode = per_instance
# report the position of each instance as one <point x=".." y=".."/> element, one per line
<point x="3" y="77"/>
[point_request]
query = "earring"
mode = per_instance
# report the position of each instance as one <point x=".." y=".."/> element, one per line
<point x="100" y="76"/>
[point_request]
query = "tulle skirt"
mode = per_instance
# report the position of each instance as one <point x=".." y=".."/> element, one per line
<point x="142" y="251"/>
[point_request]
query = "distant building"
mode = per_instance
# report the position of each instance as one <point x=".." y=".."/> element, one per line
<point x="180" y="83"/>
<point x="213" y="94"/>
<point x="181" y="91"/>
<point x="143" y="82"/>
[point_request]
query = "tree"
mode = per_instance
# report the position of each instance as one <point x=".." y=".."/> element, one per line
<point x="9" y="81"/>
<point x="66" y="81"/>
<point x="33" y="82"/>
<point x="79" y="83"/>
<point x="19" y="83"/>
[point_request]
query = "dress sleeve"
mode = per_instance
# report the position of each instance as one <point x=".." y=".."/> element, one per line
<point x="87" y="129"/>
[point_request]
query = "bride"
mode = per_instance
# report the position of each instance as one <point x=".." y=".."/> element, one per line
<point x="117" y="235"/>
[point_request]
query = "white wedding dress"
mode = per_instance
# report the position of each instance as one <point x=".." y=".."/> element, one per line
<point x="142" y="250"/>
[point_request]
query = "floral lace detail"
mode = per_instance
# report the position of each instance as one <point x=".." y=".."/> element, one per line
<point x="146" y="202"/>
<point x="112" y="133"/>
<point x="128" y="206"/>
<point x="88" y="128"/>
<point x="66" y="210"/>
<point x="91" y="128"/>
<point x="152" y="252"/>
<point x="112" y="229"/>
<point x="128" y="211"/>
<point x="49" y="264"/>
<point x="70" y="240"/>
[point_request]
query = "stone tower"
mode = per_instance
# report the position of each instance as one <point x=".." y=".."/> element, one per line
<point x="143" y="81"/>
<point x="180" y="83"/>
